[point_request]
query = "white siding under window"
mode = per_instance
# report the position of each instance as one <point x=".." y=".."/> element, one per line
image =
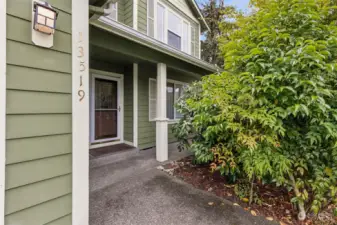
<point x="150" y="18"/>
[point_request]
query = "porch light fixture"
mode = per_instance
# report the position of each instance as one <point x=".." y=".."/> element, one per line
<point x="43" y="23"/>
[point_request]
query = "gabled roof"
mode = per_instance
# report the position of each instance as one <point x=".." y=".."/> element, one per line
<point x="194" y="6"/>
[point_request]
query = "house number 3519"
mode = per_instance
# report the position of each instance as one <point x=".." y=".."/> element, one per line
<point x="82" y="68"/>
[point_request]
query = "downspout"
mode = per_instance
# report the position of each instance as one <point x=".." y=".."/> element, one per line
<point x="96" y="10"/>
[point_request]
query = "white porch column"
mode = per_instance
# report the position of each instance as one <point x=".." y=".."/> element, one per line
<point x="161" y="120"/>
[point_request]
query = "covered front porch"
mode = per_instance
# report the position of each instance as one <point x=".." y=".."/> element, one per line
<point x="133" y="88"/>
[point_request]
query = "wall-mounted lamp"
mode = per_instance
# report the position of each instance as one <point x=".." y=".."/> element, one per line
<point x="43" y="23"/>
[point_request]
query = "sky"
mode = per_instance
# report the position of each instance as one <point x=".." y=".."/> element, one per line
<point x="240" y="4"/>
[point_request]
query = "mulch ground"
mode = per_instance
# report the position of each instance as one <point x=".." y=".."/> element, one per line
<point x="275" y="201"/>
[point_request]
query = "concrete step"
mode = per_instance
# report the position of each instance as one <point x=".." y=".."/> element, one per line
<point x="112" y="157"/>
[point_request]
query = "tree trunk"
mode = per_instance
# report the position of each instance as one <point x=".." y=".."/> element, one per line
<point x="251" y="193"/>
<point x="301" y="214"/>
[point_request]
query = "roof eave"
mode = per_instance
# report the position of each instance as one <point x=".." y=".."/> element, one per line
<point x="136" y="36"/>
<point x="196" y="8"/>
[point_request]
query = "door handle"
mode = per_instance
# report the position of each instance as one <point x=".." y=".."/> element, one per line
<point x="119" y="108"/>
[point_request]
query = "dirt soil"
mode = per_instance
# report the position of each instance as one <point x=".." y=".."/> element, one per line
<point x="274" y="205"/>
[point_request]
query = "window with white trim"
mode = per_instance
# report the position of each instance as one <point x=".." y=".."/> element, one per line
<point x="114" y="11"/>
<point x="167" y="26"/>
<point x="174" y="90"/>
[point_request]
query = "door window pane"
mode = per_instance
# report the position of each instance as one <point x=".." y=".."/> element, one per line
<point x="105" y="94"/>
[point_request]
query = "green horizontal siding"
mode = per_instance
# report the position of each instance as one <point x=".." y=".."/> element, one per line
<point x="27" y="55"/>
<point x="29" y="102"/>
<point x="128" y="12"/>
<point x="37" y="170"/>
<point x="24" y="197"/>
<point x="66" y="220"/>
<point x="120" y="11"/>
<point x="38" y="146"/>
<point x="43" y="213"/>
<point x="24" y="78"/>
<point x="23" y="126"/>
<point x="142" y="16"/>
<point x="27" y="149"/>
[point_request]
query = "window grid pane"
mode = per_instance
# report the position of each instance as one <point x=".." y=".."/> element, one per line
<point x="174" y="40"/>
<point x="185" y="37"/>
<point x="160" y="22"/>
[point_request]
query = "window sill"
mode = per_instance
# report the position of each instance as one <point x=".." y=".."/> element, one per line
<point x="169" y="121"/>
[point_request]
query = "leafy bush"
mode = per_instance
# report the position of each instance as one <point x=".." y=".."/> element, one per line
<point x="273" y="113"/>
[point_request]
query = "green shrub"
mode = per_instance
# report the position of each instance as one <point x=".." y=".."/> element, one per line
<point x="274" y="109"/>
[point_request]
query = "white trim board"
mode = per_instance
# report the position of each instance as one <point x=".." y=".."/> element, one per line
<point x="135" y="105"/>
<point x="80" y="112"/>
<point x="135" y="14"/>
<point x="3" y="58"/>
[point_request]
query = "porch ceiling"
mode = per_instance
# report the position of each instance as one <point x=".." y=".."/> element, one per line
<point x="107" y="55"/>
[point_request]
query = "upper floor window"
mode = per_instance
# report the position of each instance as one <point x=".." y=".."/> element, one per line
<point x="114" y="12"/>
<point x="167" y="26"/>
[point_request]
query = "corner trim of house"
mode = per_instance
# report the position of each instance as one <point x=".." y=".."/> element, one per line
<point x="3" y="56"/>
<point x="80" y="112"/>
<point x="135" y="105"/>
<point x="135" y="14"/>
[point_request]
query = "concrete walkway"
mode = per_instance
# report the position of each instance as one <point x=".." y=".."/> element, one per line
<point x="148" y="196"/>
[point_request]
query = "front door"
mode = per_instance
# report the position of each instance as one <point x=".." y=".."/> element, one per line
<point x="106" y="110"/>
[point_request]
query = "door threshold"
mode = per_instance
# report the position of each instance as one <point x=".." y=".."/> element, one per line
<point x="105" y="144"/>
